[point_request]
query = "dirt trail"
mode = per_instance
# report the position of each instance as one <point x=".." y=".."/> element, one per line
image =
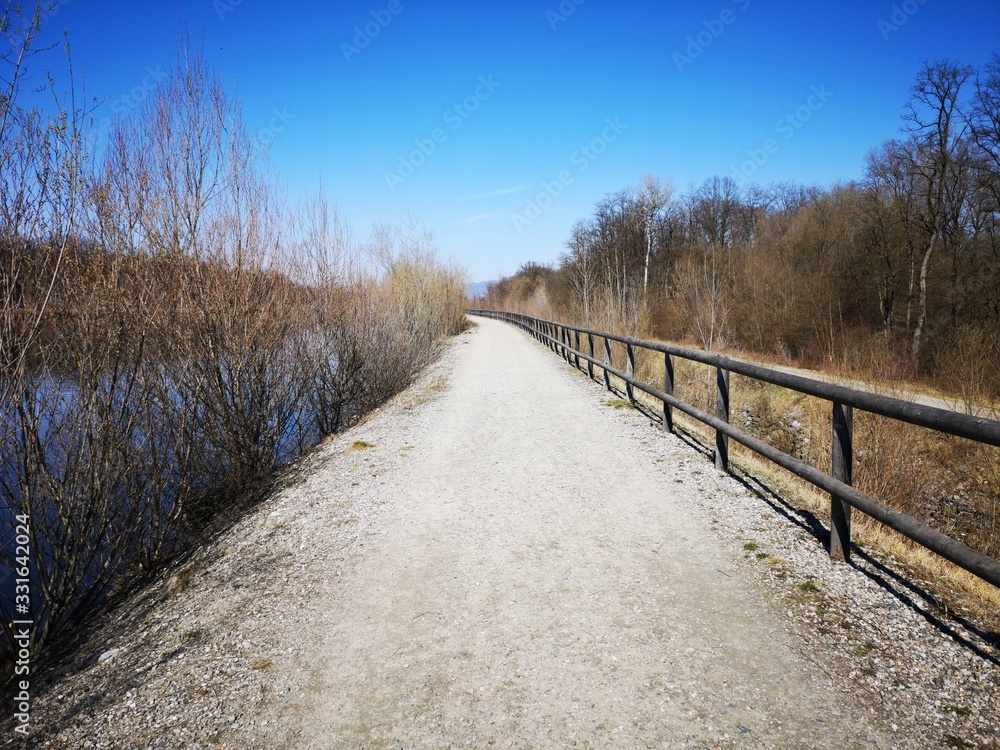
<point x="531" y="582"/>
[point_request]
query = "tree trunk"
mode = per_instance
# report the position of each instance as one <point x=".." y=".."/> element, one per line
<point x="649" y="251"/>
<point x="918" y="329"/>
<point x="909" y="294"/>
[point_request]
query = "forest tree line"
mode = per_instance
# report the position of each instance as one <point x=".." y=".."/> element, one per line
<point x="899" y="269"/>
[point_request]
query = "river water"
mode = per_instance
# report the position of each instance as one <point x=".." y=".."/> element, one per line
<point x="94" y="477"/>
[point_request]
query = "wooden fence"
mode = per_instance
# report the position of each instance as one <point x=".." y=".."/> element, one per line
<point x="566" y="341"/>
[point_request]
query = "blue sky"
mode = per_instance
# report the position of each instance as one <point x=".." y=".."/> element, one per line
<point x="499" y="125"/>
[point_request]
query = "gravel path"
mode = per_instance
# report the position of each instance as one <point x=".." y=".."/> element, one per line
<point x="536" y="584"/>
<point x="498" y="560"/>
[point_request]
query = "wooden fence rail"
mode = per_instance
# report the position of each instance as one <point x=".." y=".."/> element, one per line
<point x="565" y="340"/>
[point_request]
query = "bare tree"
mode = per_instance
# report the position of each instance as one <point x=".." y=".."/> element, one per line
<point x="984" y="121"/>
<point x="713" y="216"/>
<point x="892" y="208"/>
<point x="580" y="263"/>
<point x="40" y="180"/>
<point x="714" y="211"/>
<point x="653" y="196"/>
<point x="936" y="128"/>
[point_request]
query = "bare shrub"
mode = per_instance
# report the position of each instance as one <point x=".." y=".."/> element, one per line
<point x="177" y="339"/>
<point x="891" y="464"/>
<point x="967" y="367"/>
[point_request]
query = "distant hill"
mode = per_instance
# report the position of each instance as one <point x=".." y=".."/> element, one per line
<point x="477" y="289"/>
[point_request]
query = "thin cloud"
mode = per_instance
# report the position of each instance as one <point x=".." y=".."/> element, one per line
<point x="495" y="193"/>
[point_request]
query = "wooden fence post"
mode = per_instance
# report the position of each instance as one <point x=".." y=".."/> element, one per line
<point x="630" y="371"/>
<point x="842" y="469"/>
<point x="722" y="412"/>
<point x="590" y="365"/>
<point x="607" y="361"/>
<point x="576" y="357"/>
<point x="668" y="388"/>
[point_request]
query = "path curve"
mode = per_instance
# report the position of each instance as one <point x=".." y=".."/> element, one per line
<point x="531" y="582"/>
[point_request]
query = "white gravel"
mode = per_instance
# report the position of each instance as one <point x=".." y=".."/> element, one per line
<point x="515" y="564"/>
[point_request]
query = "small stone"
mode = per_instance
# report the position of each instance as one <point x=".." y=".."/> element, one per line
<point x="108" y="655"/>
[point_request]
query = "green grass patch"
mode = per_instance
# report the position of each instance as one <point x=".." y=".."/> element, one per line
<point x="360" y="445"/>
<point x="951" y="740"/>
<point x="864" y="649"/>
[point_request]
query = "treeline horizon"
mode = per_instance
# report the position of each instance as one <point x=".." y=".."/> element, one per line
<point x="171" y="332"/>
<point x="898" y="272"/>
